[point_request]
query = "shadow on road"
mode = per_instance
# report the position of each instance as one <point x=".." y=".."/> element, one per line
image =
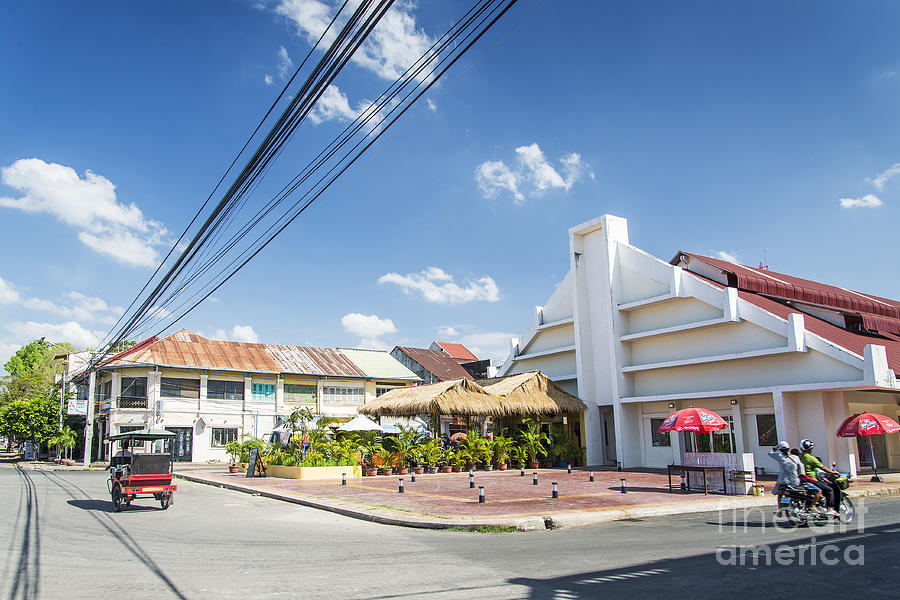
<point x="829" y="561"/>
<point x="107" y="506"/>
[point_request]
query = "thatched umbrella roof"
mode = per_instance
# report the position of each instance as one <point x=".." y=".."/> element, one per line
<point x="454" y="397"/>
<point x="532" y="393"/>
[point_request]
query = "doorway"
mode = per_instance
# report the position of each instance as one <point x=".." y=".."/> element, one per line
<point x="183" y="440"/>
<point x="865" y="451"/>
<point x="608" y="433"/>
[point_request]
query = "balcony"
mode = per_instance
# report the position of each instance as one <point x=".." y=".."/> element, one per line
<point x="131" y="402"/>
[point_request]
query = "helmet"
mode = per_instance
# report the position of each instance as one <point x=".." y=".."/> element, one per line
<point x="783" y="445"/>
<point x="807" y="445"/>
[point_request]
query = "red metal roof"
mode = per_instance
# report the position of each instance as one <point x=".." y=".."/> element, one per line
<point x="854" y="342"/>
<point x="780" y="285"/>
<point x="457" y="351"/>
<point x="437" y="363"/>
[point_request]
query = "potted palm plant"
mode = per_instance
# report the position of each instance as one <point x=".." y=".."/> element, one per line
<point x="532" y="440"/>
<point x="430" y="454"/>
<point x="447" y="463"/>
<point x="386" y="459"/>
<point x="502" y="447"/>
<point x="370" y="445"/>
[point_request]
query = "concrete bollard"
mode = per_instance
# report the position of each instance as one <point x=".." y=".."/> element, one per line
<point x="592" y="477"/>
<point x="569" y="469"/>
<point x="413" y="477"/>
<point x="624" y="491"/>
<point x="534" y="479"/>
<point x="471" y="480"/>
<point x="521" y="471"/>
<point x="400" y="491"/>
<point x="555" y="490"/>
<point x="481" y="494"/>
<point x="343" y="479"/>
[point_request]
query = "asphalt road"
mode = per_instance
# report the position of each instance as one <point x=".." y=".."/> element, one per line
<point x="63" y="540"/>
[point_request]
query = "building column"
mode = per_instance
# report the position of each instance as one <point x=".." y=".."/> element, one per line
<point x="248" y="394"/>
<point x="279" y="395"/>
<point x="785" y="418"/>
<point x="737" y="414"/>
<point x="201" y="401"/>
<point x="154" y="403"/>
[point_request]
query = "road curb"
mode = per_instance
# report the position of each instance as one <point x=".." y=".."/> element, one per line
<point x="536" y="522"/>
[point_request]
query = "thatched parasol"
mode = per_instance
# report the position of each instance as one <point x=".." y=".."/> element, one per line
<point x="532" y="393"/>
<point x="454" y="397"/>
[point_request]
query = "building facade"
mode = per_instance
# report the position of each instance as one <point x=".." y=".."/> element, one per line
<point x="210" y="392"/>
<point x="636" y="337"/>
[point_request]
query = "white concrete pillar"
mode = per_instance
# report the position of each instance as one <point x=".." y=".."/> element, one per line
<point x="248" y="396"/>
<point x="840" y="450"/>
<point x="279" y="395"/>
<point x="204" y="385"/>
<point x="785" y="418"/>
<point x="155" y="408"/>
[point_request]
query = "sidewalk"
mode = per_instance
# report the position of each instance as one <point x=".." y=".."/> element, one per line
<point x="445" y="500"/>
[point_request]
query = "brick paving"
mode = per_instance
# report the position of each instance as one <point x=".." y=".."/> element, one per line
<point x="508" y="495"/>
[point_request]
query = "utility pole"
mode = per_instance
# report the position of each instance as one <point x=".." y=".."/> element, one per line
<point x="89" y="417"/>
<point x="62" y="392"/>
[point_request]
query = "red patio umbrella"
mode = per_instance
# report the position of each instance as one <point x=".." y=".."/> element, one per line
<point x="458" y="436"/>
<point x="868" y="424"/>
<point x="695" y="420"/>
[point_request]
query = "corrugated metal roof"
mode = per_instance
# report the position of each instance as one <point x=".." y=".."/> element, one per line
<point x="378" y="364"/>
<point x="184" y="348"/>
<point x="457" y="351"/>
<point x="854" y="342"/>
<point x="437" y="363"/>
<point x="780" y="285"/>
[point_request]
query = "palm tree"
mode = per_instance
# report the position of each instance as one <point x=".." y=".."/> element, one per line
<point x="532" y="440"/>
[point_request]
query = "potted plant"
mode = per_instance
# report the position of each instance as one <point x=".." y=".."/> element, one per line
<point x="447" y="462"/>
<point x="532" y="440"/>
<point x="233" y="448"/>
<point x="403" y="444"/>
<point x="502" y="447"/>
<point x="386" y="459"/>
<point x="486" y="453"/>
<point x="370" y="445"/>
<point x="430" y="453"/>
<point x="456" y="460"/>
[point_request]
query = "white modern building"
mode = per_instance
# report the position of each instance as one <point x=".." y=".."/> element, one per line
<point x="636" y="337"/>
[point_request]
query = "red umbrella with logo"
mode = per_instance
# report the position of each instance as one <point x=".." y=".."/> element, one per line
<point x="695" y="420"/>
<point x="868" y="424"/>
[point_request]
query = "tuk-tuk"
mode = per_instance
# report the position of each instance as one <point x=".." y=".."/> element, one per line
<point x="141" y="473"/>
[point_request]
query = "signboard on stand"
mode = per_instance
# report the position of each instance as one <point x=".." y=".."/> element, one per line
<point x="77" y="406"/>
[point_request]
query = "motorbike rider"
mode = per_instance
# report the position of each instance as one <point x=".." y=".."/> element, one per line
<point x="830" y="490"/>
<point x="788" y="470"/>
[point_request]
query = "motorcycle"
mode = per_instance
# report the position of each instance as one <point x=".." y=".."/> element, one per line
<point x="798" y="507"/>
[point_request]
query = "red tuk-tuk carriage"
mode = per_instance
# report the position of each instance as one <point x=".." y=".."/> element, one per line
<point x="143" y="473"/>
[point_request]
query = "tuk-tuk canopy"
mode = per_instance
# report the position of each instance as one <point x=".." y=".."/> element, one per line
<point x="143" y="435"/>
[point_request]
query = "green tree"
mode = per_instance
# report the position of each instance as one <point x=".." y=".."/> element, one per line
<point x="30" y="372"/>
<point x="35" y="419"/>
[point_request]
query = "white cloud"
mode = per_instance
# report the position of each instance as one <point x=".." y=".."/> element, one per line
<point x="158" y="312"/>
<point x="88" y="204"/>
<point x="395" y="43"/>
<point x="69" y="331"/>
<point x="531" y="168"/>
<point x="867" y="201"/>
<point x="494" y="176"/>
<point x="492" y="344"/>
<point x="437" y="286"/>
<point x="369" y="328"/>
<point x="448" y="332"/>
<point x="726" y="256"/>
<point x="78" y="306"/>
<point x="429" y="103"/>
<point x="332" y="104"/>
<point x="239" y="333"/>
<point x="882" y="178"/>
<point x="285" y="64"/>
<point x="268" y="79"/>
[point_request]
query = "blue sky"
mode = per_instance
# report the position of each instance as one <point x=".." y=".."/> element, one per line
<point x="741" y="128"/>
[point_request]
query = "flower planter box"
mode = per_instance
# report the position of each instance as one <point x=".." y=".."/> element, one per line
<point x="534" y="465"/>
<point x="446" y="469"/>
<point x="403" y="471"/>
<point x="387" y="471"/>
<point x="419" y="470"/>
<point x="456" y="469"/>
<point x="432" y="470"/>
<point x="333" y="473"/>
<point x="488" y="467"/>
<point x="371" y="472"/>
<point x="502" y="467"/>
<point x="233" y="468"/>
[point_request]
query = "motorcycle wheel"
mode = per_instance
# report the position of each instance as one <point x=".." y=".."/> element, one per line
<point x="117" y="497"/>
<point x="846" y="510"/>
<point x="794" y="513"/>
